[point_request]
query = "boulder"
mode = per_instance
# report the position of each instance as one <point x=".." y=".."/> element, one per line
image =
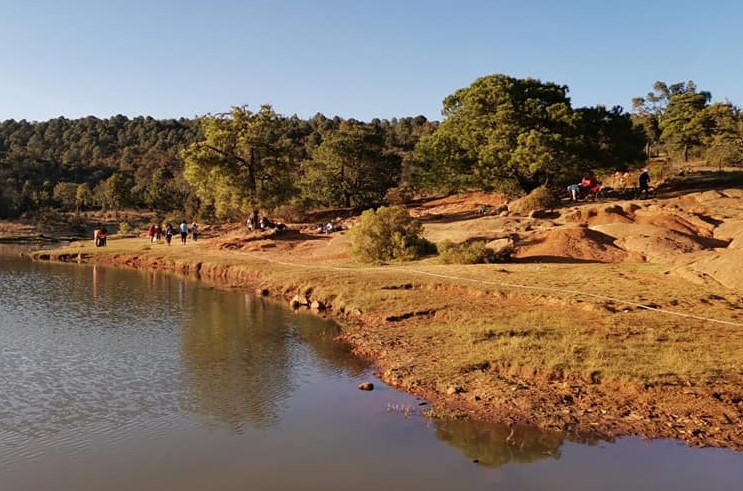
<point x="501" y="247"/>
<point x="298" y="301"/>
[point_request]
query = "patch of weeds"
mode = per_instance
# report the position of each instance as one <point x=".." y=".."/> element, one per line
<point x="482" y="366"/>
<point x="474" y="252"/>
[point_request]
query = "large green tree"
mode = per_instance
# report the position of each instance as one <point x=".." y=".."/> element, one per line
<point x="673" y="115"/>
<point x="350" y="167"/>
<point x="724" y="138"/>
<point x="500" y="130"/>
<point x="609" y="138"/>
<point x="242" y="163"/>
<point x="684" y="124"/>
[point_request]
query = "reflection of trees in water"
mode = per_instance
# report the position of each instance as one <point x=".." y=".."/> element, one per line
<point x="497" y="445"/>
<point x="241" y="353"/>
<point x="331" y="355"/>
<point x="237" y="359"/>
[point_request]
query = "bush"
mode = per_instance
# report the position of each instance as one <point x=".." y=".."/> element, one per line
<point x="387" y="234"/>
<point x="124" y="228"/>
<point x="542" y="198"/>
<point x="475" y="252"/>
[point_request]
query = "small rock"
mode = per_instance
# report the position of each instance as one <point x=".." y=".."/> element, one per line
<point x="298" y="301"/>
<point x="455" y="389"/>
<point x="317" y="305"/>
<point x="262" y="292"/>
<point x="366" y="386"/>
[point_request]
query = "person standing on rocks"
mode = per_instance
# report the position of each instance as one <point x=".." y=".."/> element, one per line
<point x="644" y="183"/>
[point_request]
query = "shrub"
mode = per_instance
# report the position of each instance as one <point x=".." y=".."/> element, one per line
<point x="387" y="234"/>
<point x="124" y="228"/>
<point x="542" y="198"/>
<point x="475" y="252"/>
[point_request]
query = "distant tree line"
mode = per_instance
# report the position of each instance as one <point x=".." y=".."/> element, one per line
<point x="118" y="163"/>
<point x="93" y="163"/>
<point x="679" y="119"/>
<point x="500" y="133"/>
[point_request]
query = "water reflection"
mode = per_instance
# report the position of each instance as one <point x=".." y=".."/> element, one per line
<point x="244" y="357"/>
<point x="320" y="336"/>
<point x="87" y="344"/>
<point x="238" y="362"/>
<point x="147" y="381"/>
<point x="497" y="445"/>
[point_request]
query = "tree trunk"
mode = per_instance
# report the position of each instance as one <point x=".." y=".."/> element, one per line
<point x="252" y="182"/>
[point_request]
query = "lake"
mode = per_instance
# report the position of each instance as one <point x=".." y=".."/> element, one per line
<point x="134" y="380"/>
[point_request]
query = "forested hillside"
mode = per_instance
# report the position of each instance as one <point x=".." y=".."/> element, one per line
<point x="499" y="133"/>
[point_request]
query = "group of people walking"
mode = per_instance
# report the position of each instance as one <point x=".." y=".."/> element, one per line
<point x="156" y="232"/>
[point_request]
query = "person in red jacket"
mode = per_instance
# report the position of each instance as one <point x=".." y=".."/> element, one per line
<point x="590" y="185"/>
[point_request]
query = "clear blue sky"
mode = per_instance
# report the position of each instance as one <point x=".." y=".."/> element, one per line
<point x="352" y="58"/>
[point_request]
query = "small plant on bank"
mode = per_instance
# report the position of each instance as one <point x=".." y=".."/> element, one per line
<point x="388" y="234"/>
<point x="475" y="252"/>
<point x="125" y="228"/>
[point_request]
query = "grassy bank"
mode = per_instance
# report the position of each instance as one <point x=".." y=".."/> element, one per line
<point x="582" y="347"/>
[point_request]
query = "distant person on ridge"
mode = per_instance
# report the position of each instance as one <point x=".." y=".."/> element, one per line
<point x="644" y="183"/>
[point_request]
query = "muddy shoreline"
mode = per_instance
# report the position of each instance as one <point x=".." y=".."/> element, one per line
<point x="580" y="406"/>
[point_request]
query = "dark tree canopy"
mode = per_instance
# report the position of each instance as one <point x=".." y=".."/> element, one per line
<point x="507" y="132"/>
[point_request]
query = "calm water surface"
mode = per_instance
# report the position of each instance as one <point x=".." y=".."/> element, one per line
<point x="122" y="380"/>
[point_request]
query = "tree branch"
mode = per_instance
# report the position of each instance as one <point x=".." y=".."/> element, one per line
<point x="225" y="154"/>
